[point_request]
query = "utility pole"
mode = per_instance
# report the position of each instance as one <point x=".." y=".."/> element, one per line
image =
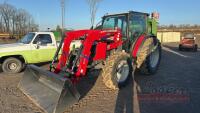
<point x="63" y="14"/>
<point x="62" y="35"/>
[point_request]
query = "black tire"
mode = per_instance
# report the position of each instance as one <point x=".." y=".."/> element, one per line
<point x="195" y="48"/>
<point x="180" y="48"/>
<point x="17" y="65"/>
<point x="147" y="67"/>
<point x="109" y="71"/>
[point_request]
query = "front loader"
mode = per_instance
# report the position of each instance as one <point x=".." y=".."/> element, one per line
<point x="122" y="43"/>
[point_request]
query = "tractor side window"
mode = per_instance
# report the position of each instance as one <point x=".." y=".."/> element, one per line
<point x="109" y="23"/>
<point x="137" y="25"/>
<point x="122" y="24"/>
<point x="43" y="38"/>
<point x="116" y="21"/>
<point x="119" y="24"/>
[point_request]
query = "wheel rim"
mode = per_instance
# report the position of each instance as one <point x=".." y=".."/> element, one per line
<point x="12" y="66"/>
<point x="122" y="71"/>
<point x="154" y="58"/>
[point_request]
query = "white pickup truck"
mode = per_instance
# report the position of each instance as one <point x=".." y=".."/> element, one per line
<point x="35" y="47"/>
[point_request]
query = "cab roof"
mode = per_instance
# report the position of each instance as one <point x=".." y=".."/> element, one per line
<point x="126" y="13"/>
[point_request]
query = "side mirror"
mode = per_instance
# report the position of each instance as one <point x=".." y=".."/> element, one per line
<point x="38" y="44"/>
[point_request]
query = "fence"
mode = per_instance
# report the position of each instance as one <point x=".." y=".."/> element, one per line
<point x="10" y="36"/>
<point x="165" y="37"/>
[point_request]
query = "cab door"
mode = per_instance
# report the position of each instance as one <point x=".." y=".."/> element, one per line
<point x="45" y="48"/>
<point x="137" y="25"/>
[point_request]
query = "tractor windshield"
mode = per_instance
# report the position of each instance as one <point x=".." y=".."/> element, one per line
<point x="112" y="22"/>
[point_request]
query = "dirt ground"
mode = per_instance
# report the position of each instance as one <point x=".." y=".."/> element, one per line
<point x="175" y="88"/>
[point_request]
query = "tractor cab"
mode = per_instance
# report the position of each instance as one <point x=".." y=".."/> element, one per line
<point x="132" y="25"/>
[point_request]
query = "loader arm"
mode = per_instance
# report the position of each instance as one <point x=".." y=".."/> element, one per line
<point x="91" y="36"/>
<point x="70" y="36"/>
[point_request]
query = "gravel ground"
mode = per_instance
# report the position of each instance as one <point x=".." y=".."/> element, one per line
<point x="175" y="88"/>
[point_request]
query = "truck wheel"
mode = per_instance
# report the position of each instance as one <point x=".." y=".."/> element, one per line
<point x="12" y="65"/>
<point x="180" y="48"/>
<point x="117" y="69"/>
<point x="152" y="62"/>
<point x="195" y="48"/>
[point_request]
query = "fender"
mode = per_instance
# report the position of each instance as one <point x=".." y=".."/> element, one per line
<point x="139" y="43"/>
<point x="137" y="46"/>
<point x="18" y="55"/>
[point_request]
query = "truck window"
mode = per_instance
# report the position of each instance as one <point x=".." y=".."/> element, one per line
<point x="44" y="38"/>
<point x="27" y="38"/>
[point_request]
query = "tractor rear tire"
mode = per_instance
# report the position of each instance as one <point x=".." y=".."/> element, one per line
<point x="152" y="62"/>
<point x="117" y="70"/>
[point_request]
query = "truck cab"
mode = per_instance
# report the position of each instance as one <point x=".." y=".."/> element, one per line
<point x="34" y="47"/>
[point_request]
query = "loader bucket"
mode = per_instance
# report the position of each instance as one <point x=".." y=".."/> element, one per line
<point x="49" y="91"/>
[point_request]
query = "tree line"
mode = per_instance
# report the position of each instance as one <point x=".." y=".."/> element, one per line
<point x="16" y="21"/>
<point x="181" y="26"/>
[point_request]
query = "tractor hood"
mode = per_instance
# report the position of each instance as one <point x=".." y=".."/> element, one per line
<point x="13" y="47"/>
<point x="89" y="31"/>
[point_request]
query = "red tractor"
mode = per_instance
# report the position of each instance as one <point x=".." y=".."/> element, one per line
<point x="188" y="41"/>
<point x="122" y="43"/>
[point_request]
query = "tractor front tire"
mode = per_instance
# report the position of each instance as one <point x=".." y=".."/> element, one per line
<point x="117" y="70"/>
<point x="12" y="65"/>
<point x="152" y="62"/>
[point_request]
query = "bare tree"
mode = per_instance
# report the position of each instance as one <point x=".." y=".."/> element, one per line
<point x="12" y="19"/>
<point x="15" y="21"/>
<point x="93" y="4"/>
<point x="58" y="28"/>
<point x="1" y="24"/>
<point x="7" y="11"/>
